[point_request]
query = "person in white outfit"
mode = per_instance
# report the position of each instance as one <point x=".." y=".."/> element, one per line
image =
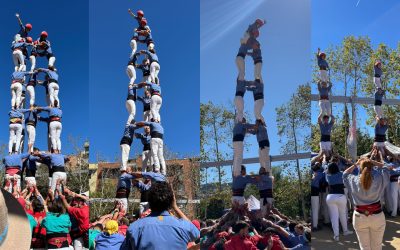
<point x="57" y="162"/>
<point x="323" y="66"/>
<point x="156" y="99"/>
<point x="126" y="142"/>
<point x="19" y="52"/>
<point x="146" y="101"/>
<point x="324" y="104"/>
<point x="42" y="47"/>
<point x="336" y="200"/>
<point x="366" y="188"/>
<point x="378" y="74"/>
<point x="131" y="103"/>
<point x="316" y="181"/>
<point x="154" y="64"/>
<point x="16" y="118"/>
<point x="51" y="80"/>
<point x="17" y="81"/>
<point x="55" y="125"/>
<point x="145" y="138"/>
<point x="239" y="132"/>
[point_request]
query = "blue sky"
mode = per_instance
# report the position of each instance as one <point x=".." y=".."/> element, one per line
<point x="335" y="19"/>
<point x="285" y="43"/>
<point x="68" y="33"/>
<point x="175" y="29"/>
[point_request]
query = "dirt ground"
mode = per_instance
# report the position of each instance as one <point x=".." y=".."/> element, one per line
<point x="323" y="239"/>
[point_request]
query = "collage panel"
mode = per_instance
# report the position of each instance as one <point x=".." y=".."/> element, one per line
<point x="255" y="124"/>
<point x="144" y="95"/>
<point x="355" y="128"/>
<point x="44" y="106"/>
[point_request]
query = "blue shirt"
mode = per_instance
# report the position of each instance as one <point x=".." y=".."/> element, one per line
<point x="155" y="127"/>
<point x="132" y="90"/>
<point x="240" y="182"/>
<point x="377" y="71"/>
<point x="144" y="138"/>
<point x="19" y="75"/>
<point x="129" y="131"/>
<point x="379" y="95"/>
<point x="142" y="187"/>
<point x="154" y="88"/>
<point x="56" y="112"/>
<point x="152" y="56"/>
<point x="50" y="74"/>
<point x="154" y="176"/>
<point x="31" y="162"/>
<point x="16" y="113"/>
<point x="380" y="130"/>
<point x="265" y="182"/>
<point x="56" y="160"/>
<point x="322" y="62"/>
<point x="20" y="45"/>
<point x="334" y="179"/>
<point x="30" y="116"/>
<point x="15" y="160"/>
<point x="324" y="91"/>
<point x="241" y="129"/>
<point x="262" y="133"/>
<point x="124" y="181"/>
<point x="319" y="176"/>
<point x="105" y="241"/>
<point x="146" y="102"/>
<point x="145" y="69"/>
<point x="326" y="129"/>
<point x="160" y="231"/>
<point x="380" y="179"/>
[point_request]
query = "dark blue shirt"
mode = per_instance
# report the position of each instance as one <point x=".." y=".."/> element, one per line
<point x="104" y="241"/>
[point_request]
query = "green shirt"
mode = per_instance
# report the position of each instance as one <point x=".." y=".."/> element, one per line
<point x="56" y="223"/>
<point x="32" y="221"/>
<point x="92" y="235"/>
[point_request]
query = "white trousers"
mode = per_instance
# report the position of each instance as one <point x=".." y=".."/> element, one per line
<point x="147" y="115"/>
<point x="315" y="210"/>
<point x="133" y="45"/>
<point x="263" y="155"/>
<point x="52" y="60"/>
<point x="257" y="70"/>
<point x="131" y="108"/>
<point x="31" y="134"/>
<point x="56" y="177"/>
<point x="31" y="91"/>
<point x="241" y="67"/>
<point x="30" y="181"/>
<point x="237" y="157"/>
<point x="55" y="134"/>
<point x="157" y="154"/>
<point x="10" y="181"/>
<point x="369" y="230"/>
<point x="33" y="63"/>
<point x="325" y="145"/>
<point x="378" y="111"/>
<point x="394" y="197"/>
<point x="239" y="106"/>
<point x="263" y="207"/>
<point x="79" y="244"/>
<point x="16" y="92"/>
<point x="19" y="60"/>
<point x="131" y="72"/>
<point x="146" y="155"/>
<point x="155" y="106"/>
<point x="323" y="75"/>
<point x="258" y="106"/>
<point x="154" y="70"/>
<point x="337" y="205"/>
<point x="377" y="82"/>
<point x="324" y="207"/>
<point x="15" y="137"/>
<point x="125" y="149"/>
<point x="324" y="107"/>
<point x="53" y="93"/>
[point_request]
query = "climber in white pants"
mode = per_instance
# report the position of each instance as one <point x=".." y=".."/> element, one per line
<point x="323" y="65"/>
<point x="379" y="93"/>
<point x="19" y="50"/>
<point x="16" y="117"/>
<point x="156" y="99"/>
<point x="257" y="87"/>
<point x="378" y="74"/>
<point x="42" y="47"/>
<point x="239" y="131"/>
<point x="17" y="80"/>
<point x="154" y="64"/>
<point x="146" y="101"/>
<point x="145" y="138"/>
<point x="13" y="167"/>
<point x="51" y="77"/>
<point x="239" y="101"/>
<point x="324" y="104"/>
<point x="131" y="103"/>
<point x="57" y="162"/>
<point x="263" y="146"/>
<point x="30" y="88"/>
<point x="55" y="125"/>
<point x="156" y="144"/>
<point x="265" y="189"/>
<point x="31" y="119"/>
<point x="125" y="144"/>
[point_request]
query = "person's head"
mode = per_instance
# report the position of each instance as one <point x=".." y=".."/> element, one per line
<point x="333" y="168"/>
<point x="299" y="229"/>
<point x="43" y="35"/>
<point x="147" y="93"/>
<point x="243" y="120"/>
<point x="98" y="227"/>
<point x="307" y="235"/>
<point x="324" y="83"/>
<point x="243" y="170"/>
<point x="325" y="119"/>
<point x="262" y="171"/>
<point x="55" y="103"/>
<point x="316" y="166"/>
<point x="143" y="22"/>
<point x="366" y="174"/>
<point x="378" y="64"/>
<point x="160" y="197"/>
<point x="79" y="202"/>
<point x="56" y="206"/>
<point x="292" y="226"/>
<point x="28" y="27"/>
<point x="111" y="227"/>
<point x="140" y="13"/>
<point x="147" y="129"/>
<point x="124" y="221"/>
<point x="146" y="61"/>
<point x="322" y="55"/>
<point x="241" y="228"/>
<point x="37" y="206"/>
<point x="29" y="39"/>
<point x="35" y="151"/>
<point x="382" y="121"/>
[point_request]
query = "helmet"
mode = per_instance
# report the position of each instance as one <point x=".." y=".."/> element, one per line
<point x="28" y="26"/>
<point x="260" y="22"/>
<point x="140" y="13"/>
<point x="321" y="54"/>
<point x="44" y="33"/>
<point x="29" y="39"/>
<point x="143" y="22"/>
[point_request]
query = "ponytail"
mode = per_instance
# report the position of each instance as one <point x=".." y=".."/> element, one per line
<point x="366" y="174"/>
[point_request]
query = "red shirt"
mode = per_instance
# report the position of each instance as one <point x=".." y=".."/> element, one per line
<point x="122" y="229"/>
<point x="237" y="242"/>
<point x="39" y="232"/>
<point x="276" y="244"/>
<point x="81" y="214"/>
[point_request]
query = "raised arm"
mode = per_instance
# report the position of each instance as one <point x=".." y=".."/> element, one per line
<point x="131" y="13"/>
<point x="19" y="20"/>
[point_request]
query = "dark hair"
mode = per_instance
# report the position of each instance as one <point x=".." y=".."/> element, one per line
<point x="239" y="226"/>
<point x="160" y="196"/>
<point x="316" y="166"/>
<point x="124" y="221"/>
<point x="292" y="225"/>
<point x="37" y="205"/>
<point x="325" y="117"/>
<point x="333" y="168"/>
<point x="35" y="149"/>
<point x="99" y="225"/>
<point x="56" y="207"/>
<point x="243" y="167"/>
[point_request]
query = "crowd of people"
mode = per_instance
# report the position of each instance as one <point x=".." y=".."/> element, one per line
<point x="159" y="223"/>
<point x="366" y="187"/>
<point x="61" y="219"/>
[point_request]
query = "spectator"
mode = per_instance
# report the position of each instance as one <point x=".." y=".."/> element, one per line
<point x="109" y="238"/>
